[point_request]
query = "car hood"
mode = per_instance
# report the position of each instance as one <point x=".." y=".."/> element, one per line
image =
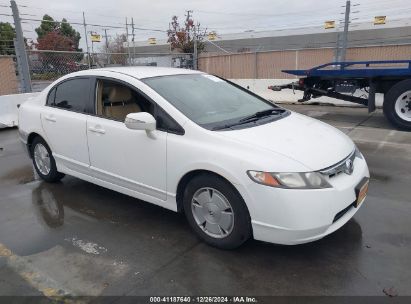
<point x="308" y="141"/>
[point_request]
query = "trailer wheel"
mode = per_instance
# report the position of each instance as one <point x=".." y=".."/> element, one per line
<point x="397" y="105"/>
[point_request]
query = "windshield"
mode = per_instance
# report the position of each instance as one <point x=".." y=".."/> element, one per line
<point x="209" y="101"/>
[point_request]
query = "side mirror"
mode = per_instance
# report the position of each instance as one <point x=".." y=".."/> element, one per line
<point x="140" y="121"/>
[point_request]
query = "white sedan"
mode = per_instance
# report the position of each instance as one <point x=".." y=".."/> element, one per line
<point x="237" y="165"/>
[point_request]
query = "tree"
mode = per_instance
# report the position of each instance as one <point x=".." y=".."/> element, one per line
<point x="7" y="34"/>
<point x="63" y="28"/>
<point x="58" y="36"/>
<point x="47" y="25"/>
<point x="57" y="62"/>
<point x="181" y="37"/>
<point x="67" y="30"/>
<point x="56" y="42"/>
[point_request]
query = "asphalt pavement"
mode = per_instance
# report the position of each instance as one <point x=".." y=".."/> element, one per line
<point x="76" y="238"/>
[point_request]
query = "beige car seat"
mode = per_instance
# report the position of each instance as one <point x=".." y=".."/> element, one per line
<point x="120" y="103"/>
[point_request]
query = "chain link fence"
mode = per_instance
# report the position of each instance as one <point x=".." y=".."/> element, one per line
<point x="47" y="66"/>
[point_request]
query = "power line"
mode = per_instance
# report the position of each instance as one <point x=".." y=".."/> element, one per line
<point x="309" y="12"/>
<point x="92" y="13"/>
<point x="296" y="13"/>
<point x="284" y="26"/>
<point x="323" y="43"/>
<point x="95" y="25"/>
<point x="319" y="21"/>
<point x="299" y="13"/>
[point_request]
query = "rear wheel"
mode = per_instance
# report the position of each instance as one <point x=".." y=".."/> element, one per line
<point x="216" y="212"/>
<point x="44" y="162"/>
<point x="397" y="105"/>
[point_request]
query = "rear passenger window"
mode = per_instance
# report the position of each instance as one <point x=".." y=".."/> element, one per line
<point x="72" y="94"/>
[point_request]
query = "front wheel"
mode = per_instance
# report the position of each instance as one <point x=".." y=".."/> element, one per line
<point x="397" y="105"/>
<point x="216" y="212"/>
<point x="44" y="162"/>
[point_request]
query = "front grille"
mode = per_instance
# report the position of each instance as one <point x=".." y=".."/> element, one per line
<point x="342" y="212"/>
<point x="339" y="167"/>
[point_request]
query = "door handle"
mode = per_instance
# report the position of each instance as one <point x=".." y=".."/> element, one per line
<point x="97" y="130"/>
<point x="50" y="118"/>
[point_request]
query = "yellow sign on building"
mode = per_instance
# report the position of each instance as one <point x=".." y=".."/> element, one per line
<point x="95" y="38"/>
<point x="379" y="20"/>
<point x="152" y="41"/>
<point x="212" y="36"/>
<point x="329" y="24"/>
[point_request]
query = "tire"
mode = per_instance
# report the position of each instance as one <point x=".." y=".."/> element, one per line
<point x="49" y="172"/>
<point x="397" y="105"/>
<point x="216" y="212"/>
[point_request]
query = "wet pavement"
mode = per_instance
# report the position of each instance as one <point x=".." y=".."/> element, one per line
<point x="77" y="238"/>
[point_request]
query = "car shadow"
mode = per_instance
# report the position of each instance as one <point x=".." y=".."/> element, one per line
<point x="143" y="234"/>
<point x="51" y="200"/>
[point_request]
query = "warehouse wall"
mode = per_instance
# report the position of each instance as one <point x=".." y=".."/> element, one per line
<point x="268" y="65"/>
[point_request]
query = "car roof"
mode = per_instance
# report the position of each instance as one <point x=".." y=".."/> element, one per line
<point x="140" y="72"/>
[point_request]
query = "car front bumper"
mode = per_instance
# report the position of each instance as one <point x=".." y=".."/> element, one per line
<point x="296" y="216"/>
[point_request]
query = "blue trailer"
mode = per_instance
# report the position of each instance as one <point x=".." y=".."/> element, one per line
<point x="342" y="79"/>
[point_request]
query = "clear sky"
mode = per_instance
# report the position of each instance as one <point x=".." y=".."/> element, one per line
<point x="223" y="16"/>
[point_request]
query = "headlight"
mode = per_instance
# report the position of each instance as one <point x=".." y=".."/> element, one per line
<point x="358" y="153"/>
<point x="306" y="180"/>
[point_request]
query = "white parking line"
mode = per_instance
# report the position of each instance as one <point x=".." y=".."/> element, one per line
<point x="359" y="134"/>
<point x="382" y="143"/>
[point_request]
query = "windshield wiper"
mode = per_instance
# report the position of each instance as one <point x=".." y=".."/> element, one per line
<point x="227" y="126"/>
<point x="261" y="114"/>
<point x="251" y="118"/>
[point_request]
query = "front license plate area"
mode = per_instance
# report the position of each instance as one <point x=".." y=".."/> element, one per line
<point x="361" y="191"/>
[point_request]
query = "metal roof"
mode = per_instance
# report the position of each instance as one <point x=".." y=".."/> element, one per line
<point x="361" y="34"/>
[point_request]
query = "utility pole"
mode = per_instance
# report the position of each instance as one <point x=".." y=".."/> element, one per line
<point x="188" y="16"/>
<point x="107" y="51"/>
<point x="345" y="33"/>
<point x="169" y="28"/>
<point x="189" y="12"/>
<point x="132" y="28"/>
<point x="195" y="53"/>
<point x="132" y="35"/>
<point x="85" y="34"/>
<point x="92" y="42"/>
<point x="128" y="44"/>
<point x="20" y="48"/>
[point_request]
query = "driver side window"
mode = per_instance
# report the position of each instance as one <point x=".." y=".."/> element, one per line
<point x="115" y="100"/>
